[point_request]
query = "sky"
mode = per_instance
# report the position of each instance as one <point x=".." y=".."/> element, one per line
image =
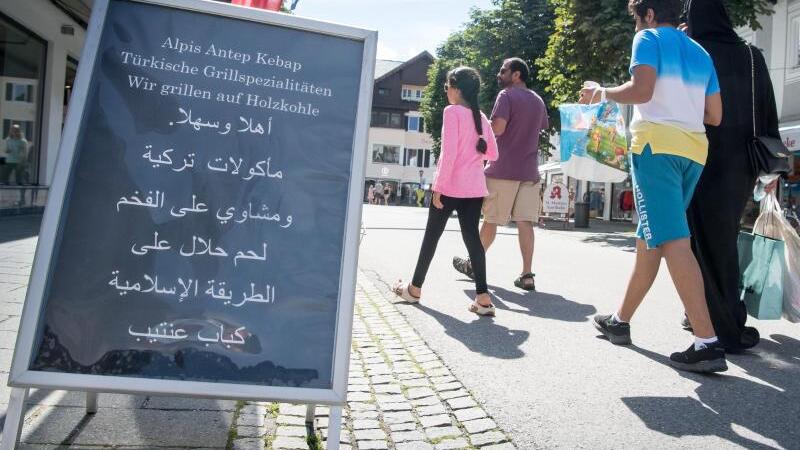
<point x="405" y="27"/>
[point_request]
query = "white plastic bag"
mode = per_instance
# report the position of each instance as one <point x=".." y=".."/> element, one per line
<point x="772" y="223"/>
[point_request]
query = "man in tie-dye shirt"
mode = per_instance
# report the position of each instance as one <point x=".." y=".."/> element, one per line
<point x="675" y="90"/>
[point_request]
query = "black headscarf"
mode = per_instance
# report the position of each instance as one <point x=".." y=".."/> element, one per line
<point x="709" y="21"/>
<point x="711" y="26"/>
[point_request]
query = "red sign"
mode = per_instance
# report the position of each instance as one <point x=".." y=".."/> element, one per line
<point x="272" y="5"/>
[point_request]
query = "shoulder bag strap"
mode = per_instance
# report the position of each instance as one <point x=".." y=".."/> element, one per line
<point x="753" y="86"/>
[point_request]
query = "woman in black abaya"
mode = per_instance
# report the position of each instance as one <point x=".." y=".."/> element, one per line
<point x="728" y="178"/>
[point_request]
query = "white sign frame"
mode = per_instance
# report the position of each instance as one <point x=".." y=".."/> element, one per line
<point x="22" y="377"/>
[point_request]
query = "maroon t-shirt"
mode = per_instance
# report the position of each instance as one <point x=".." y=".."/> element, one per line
<point x="526" y="115"/>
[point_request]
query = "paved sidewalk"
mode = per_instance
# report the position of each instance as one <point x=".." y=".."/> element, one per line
<point x="401" y="395"/>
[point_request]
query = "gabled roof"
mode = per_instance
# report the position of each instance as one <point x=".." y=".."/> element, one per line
<point x="379" y="77"/>
<point x="384" y="66"/>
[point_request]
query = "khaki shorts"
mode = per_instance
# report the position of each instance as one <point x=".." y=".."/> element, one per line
<point x="519" y="201"/>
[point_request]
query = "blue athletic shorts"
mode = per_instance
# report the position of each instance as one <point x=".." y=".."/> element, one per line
<point x="663" y="186"/>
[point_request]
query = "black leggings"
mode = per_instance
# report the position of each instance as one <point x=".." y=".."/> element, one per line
<point x="469" y="215"/>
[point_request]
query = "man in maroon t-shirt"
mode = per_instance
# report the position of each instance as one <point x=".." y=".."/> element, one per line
<point x="518" y="117"/>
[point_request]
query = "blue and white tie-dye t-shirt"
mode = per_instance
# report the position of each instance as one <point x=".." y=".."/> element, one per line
<point x="685" y="76"/>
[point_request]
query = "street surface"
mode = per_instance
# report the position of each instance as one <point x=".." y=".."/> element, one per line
<point x="401" y="396"/>
<point x="539" y="367"/>
<point x="437" y="376"/>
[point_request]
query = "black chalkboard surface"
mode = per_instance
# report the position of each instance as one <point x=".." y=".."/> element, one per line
<point x="202" y="228"/>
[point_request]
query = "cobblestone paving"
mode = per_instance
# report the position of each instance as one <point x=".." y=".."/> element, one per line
<point x="400" y="395"/>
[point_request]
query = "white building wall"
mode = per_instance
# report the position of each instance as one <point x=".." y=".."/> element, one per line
<point x="45" y="20"/>
<point x="19" y="111"/>
<point x="402" y="139"/>
<point x="779" y="38"/>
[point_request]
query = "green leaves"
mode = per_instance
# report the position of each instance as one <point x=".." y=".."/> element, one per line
<point x="565" y="42"/>
<point x="513" y="28"/>
<point x="592" y="39"/>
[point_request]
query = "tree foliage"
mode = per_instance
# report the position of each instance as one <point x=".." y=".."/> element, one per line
<point x="592" y="39"/>
<point x="566" y="42"/>
<point x="512" y="28"/>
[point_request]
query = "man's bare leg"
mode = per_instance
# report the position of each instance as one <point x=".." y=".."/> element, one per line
<point x="526" y="238"/>
<point x="642" y="278"/>
<point x="688" y="281"/>
<point x="488" y="233"/>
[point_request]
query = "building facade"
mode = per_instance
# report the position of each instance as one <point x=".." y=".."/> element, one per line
<point x="400" y="156"/>
<point x="40" y="44"/>
<point x="779" y="39"/>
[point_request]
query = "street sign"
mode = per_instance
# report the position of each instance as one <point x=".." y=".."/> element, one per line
<point x="556" y="199"/>
<point x="201" y="235"/>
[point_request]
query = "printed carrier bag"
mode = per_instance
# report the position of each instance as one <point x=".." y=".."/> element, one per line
<point x="594" y="146"/>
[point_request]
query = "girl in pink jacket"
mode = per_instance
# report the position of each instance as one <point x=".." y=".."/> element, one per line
<point x="467" y="141"/>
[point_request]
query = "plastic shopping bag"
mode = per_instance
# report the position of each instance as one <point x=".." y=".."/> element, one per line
<point x="761" y="263"/>
<point x="594" y="145"/>
<point x="773" y="224"/>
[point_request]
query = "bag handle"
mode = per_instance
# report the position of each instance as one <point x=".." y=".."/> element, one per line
<point x="769" y="205"/>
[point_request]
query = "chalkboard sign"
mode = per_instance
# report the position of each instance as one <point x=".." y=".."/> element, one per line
<point x="202" y="233"/>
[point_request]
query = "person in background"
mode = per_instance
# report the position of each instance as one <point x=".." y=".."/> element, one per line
<point x="460" y="185"/>
<point x="728" y="178"/>
<point x="16" y="157"/>
<point x="514" y="183"/>
<point x="371" y="194"/>
<point x="675" y="90"/>
<point x="378" y="192"/>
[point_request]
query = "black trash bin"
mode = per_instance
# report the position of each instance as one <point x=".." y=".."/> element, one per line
<point x="581" y="214"/>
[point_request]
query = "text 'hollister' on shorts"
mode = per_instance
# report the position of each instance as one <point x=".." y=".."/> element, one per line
<point x="663" y="186"/>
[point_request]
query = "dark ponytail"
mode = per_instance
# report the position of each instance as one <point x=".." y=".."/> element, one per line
<point x="468" y="81"/>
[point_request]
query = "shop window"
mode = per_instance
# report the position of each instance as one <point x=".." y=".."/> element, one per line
<point x="69" y="82"/>
<point x="25" y="126"/>
<point x="411" y="93"/>
<point x="22" y="64"/>
<point x="793" y="46"/>
<point x="414" y="124"/>
<point x="417" y="158"/>
<point x="623" y="202"/>
<point x="387" y="119"/>
<point x="385" y="154"/>
<point x="19" y="92"/>
<point x="596" y="198"/>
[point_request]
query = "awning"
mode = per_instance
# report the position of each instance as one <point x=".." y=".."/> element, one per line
<point x="544" y="168"/>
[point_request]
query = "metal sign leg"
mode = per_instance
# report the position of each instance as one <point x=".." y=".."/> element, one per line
<point x="15" y="416"/>
<point x="334" y="428"/>
<point x="91" y="402"/>
<point x="310" y="413"/>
